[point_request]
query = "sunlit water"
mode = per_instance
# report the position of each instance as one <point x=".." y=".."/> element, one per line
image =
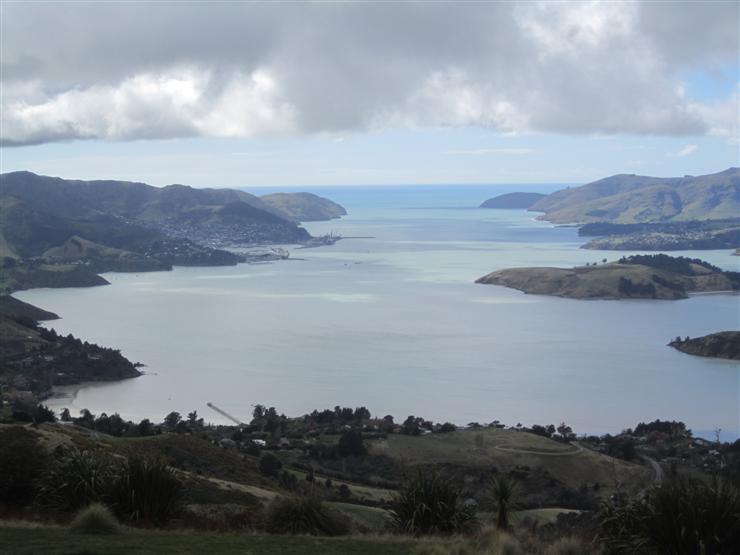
<point x="393" y="321"/>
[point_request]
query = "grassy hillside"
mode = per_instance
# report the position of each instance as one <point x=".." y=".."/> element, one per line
<point x="634" y="199"/>
<point x="304" y="207"/>
<point x="511" y="450"/>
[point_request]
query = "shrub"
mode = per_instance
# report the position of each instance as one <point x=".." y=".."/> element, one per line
<point x="269" y="464"/>
<point x="427" y="504"/>
<point x="304" y="515"/>
<point x="22" y="462"/>
<point x="77" y="479"/>
<point x="146" y="491"/>
<point x="95" y="519"/>
<point x="680" y="517"/>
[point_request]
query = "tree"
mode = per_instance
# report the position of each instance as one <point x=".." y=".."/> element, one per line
<point x="361" y="414"/>
<point x="145" y="428"/>
<point x="565" y="431"/>
<point x="86" y="419"/>
<point x="172" y="419"/>
<point x="44" y="414"/>
<point x="259" y="411"/>
<point x="387" y="424"/>
<point x="411" y="426"/>
<point x="351" y="445"/>
<point x="65" y="416"/>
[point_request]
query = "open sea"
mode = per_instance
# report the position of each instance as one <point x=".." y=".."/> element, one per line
<point x="389" y="318"/>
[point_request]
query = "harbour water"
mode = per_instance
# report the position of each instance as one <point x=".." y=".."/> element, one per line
<point x="390" y="318"/>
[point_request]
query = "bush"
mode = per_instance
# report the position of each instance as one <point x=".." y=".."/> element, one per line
<point x="95" y="519"/>
<point x="680" y="517"/>
<point x="304" y="515"/>
<point x="350" y="444"/>
<point x="269" y="465"/>
<point x="22" y="462"/>
<point x="146" y="491"/>
<point x="76" y="480"/>
<point x="504" y="491"/>
<point x="427" y="504"/>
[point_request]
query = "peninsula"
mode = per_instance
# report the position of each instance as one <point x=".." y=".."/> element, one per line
<point x="513" y="201"/>
<point x="723" y="344"/>
<point x="634" y="277"/>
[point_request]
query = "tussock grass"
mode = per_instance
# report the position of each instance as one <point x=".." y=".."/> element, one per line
<point x="304" y="515"/>
<point x="95" y="519"/>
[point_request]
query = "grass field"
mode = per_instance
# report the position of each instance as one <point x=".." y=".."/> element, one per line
<point x="21" y="539"/>
<point x="507" y="449"/>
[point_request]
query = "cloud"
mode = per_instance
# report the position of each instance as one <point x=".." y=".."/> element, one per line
<point x="685" y="151"/>
<point x="126" y="71"/>
<point x="495" y="151"/>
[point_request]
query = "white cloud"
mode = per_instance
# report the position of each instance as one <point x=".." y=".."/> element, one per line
<point x="124" y="71"/>
<point x="685" y="151"/>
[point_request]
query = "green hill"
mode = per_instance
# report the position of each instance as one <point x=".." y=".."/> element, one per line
<point x="304" y="207"/>
<point x="635" y="198"/>
<point x="44" y="206"/>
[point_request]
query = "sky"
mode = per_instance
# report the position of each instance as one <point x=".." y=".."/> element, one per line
<point x="360" y="93"/>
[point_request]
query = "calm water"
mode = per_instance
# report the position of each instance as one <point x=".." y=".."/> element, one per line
<point x="393" y="321"/>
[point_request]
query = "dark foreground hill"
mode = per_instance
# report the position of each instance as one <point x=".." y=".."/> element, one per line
<point x="635" y="198"/>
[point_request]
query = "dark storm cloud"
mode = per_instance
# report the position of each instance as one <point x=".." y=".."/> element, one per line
<point x="133" y="70"/>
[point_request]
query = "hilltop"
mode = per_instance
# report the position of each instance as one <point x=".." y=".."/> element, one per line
<point x="634" y="198"/>
<point x="513" y="200"/>
<point x="642" y="276"/>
